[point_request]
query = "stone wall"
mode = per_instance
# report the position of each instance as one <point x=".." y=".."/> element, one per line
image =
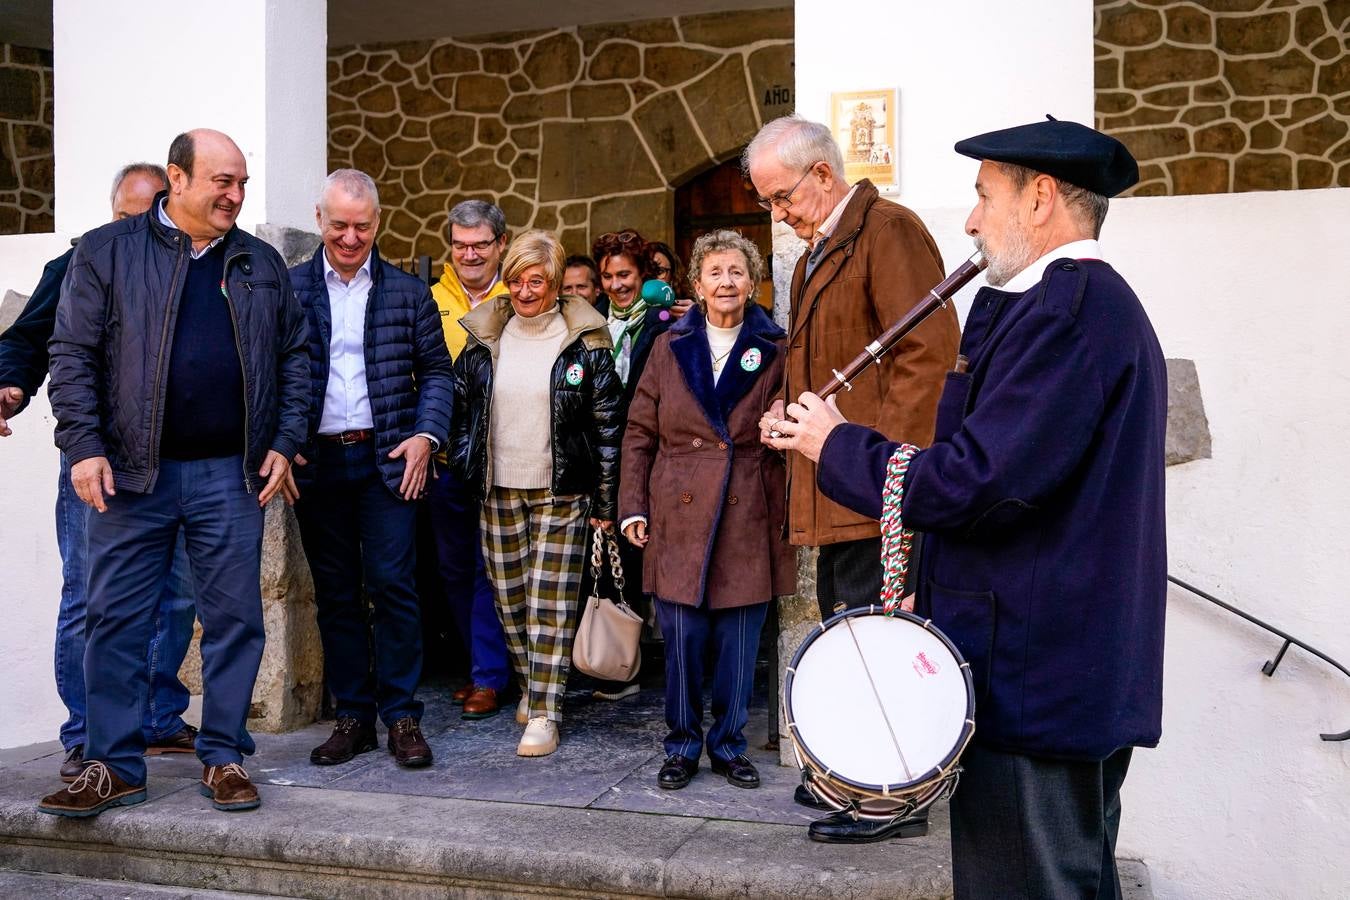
<point x="27" y="171"/>
<point x="1227" y="95"/>
<point x="579" y="130"/>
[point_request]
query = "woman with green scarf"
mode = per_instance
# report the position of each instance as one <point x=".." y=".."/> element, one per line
<point x="634" y="326"/>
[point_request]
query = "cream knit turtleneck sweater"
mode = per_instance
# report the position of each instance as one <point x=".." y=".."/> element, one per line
<point x="522" y="434"/>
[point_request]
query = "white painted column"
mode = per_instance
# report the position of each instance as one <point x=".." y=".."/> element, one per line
<point x="131" y="76"/>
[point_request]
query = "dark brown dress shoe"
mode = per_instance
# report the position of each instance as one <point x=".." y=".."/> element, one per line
<point x="229" y="788"/>
<point x="182" y="741"/>
<point x="459" y="696"/>
<point x="349" y="738"/>
<point x="739" y="771"/>
<point x="95" y="789"/>
<point x="410" y="749"/>
<point x="481" y="704"/>
<point x="676" y="772"/>
<point x="74" y="764"/>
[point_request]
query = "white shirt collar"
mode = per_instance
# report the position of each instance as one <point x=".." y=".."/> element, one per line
<point x="1031" y="276"/>
<point x="328" y="269"/>
<point x="165" y="220"/>
<point x="832" y="220"/>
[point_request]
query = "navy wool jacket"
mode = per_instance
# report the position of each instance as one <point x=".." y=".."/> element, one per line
<point x="1041" y="500"/>
<point x="408" y="369"/>
<point x="23" y="346"/>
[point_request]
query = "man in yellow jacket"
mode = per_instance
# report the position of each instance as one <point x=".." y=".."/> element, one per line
<point x="477" y="241"/>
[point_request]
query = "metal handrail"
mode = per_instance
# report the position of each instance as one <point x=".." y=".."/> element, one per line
<point x="1271" y="664"/>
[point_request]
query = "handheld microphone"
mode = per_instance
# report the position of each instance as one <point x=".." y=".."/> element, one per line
<point x="657" y="293"/>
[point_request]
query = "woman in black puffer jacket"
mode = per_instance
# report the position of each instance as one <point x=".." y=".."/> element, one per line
<point x="536" y="432"/>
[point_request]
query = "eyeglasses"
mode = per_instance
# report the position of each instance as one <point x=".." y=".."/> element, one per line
<point x="783" y="199"/>
<point x="479" y="247"/>
<point x="534" y="284"/>
<point x="619" y="237"/>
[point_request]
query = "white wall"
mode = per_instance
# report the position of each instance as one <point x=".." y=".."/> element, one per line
<point x="1241" y="799"/>
<point x="30" y="581"/>
<point x="128" y="82"/>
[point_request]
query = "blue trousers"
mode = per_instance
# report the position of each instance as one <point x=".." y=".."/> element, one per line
<point x="459" y="551"/>
<point x="169" y="640"/>
<point x="355" y="532"/>
<point x="734" y="636"/>
<point x="131" y="550"/>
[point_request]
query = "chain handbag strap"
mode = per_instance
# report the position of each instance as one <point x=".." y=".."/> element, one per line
<point x="600" y="541"/>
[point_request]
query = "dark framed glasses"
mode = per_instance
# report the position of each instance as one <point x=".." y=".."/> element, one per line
<point x="783" y="199"/>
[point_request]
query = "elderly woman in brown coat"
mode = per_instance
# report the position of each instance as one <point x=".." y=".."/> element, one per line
<point x="707" y="501"/>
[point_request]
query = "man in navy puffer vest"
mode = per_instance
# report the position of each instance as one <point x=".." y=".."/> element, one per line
<point x="382" y="391"/>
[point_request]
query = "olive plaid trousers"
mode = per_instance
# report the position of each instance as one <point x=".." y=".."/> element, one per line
<point x="535" y="547"/>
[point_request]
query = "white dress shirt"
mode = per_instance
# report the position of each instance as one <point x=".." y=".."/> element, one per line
<point x="165" y="220"/>
<point x="346" y="402"/>
<point x="1031" y="276"/>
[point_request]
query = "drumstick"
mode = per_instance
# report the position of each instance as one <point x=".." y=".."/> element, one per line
<point x="909" y="776"/>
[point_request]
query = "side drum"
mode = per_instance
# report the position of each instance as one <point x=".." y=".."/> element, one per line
<point x="879" y="709"/>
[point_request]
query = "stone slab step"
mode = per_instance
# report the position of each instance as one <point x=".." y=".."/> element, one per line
<point x="305" y="842"/>
<point x="65" y="887"/>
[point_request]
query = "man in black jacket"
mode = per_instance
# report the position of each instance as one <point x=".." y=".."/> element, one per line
<point x="381" y="392"/>
<point x="23" y="368"/>
<point x="180" y="388"/>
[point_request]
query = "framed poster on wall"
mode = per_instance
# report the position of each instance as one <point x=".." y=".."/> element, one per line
<point x="864" y="124"/>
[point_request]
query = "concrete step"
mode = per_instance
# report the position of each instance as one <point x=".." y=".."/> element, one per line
<point x="305" y="842"/>
<point x="64" y="887"/>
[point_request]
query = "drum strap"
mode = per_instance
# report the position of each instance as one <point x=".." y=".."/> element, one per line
<point x="897" y="541"/>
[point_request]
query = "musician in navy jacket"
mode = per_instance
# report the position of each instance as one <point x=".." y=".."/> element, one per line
<point x="1041" y="502"/>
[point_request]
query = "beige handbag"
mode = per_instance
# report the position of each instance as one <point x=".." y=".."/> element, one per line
<point x="607" y="638"/>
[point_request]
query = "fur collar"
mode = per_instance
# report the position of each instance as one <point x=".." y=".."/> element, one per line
<point x="689" y="344"/>
<point x="486" y="321"/>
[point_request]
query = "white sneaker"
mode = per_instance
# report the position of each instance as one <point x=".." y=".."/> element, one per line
<point x="540" y="738"/>
<point x="523" y="711"/>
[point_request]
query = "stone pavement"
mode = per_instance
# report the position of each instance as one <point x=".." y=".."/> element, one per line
<point x="587" y="821"/>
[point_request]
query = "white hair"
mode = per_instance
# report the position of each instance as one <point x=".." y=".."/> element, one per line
<point x="137" y="168"/>
<point x="798" y="144"/>
<point x="354" y="183"/>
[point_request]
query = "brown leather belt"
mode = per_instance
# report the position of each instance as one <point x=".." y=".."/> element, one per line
<point x="349" y="437"/>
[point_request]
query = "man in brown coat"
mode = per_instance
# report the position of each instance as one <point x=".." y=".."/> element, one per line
<point x="870" y="261"/>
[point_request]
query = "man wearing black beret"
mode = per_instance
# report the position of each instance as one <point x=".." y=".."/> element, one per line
<point x="1041" y="499"/>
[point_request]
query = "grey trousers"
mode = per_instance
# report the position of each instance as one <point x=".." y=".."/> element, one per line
<point x="1039" y="828"/>
<point x="849" y="573"/>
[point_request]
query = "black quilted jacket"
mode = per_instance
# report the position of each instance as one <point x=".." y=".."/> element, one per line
<point x="408" y="371"/>
<point x="114" y="332"/>
<point x="586" y="410"/>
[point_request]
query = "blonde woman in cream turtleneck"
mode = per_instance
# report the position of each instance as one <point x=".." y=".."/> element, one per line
<point x="537" y="427"/>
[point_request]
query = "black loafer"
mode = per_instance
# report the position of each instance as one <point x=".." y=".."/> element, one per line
<point x="843" y="828"/>
<point x="676" y="772"/>
<point x="804" y="797"/>
<point x="739" y="771"/>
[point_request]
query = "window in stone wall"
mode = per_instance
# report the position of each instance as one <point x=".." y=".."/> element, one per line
<point x="1214" y="96"/>
<point x="27" y="180"/>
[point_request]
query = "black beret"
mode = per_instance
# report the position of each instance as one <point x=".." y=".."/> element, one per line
<point x="1068" y="151"/>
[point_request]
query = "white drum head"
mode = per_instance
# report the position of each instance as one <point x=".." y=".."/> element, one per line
<point x="879" y="700"/>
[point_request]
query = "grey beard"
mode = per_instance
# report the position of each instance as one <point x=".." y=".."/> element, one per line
<point x="1014" y="257"/>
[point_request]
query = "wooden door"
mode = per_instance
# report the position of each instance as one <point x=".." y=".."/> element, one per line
<point x="722" y="197"/>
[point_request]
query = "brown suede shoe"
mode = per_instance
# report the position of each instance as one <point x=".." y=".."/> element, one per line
<point x="349" y="738"/>
<point x="183" y="741"/>
<point x="407" y="744"/>
<point x="95" y="789"/>
<point x="229" y="788"/>
<point x="481" y="704"/>
<point x="73" y="765"/>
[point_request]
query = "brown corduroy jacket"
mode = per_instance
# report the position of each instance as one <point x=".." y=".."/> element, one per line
<point x="879" y="262"/>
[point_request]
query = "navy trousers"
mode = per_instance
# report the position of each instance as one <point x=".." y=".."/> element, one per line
<point x="1030" y="827"/>
<point x="356" y="531"/>
<point x="734" y="638"/>
<point x="459" y="551"/>
<point x="131" y="547"/>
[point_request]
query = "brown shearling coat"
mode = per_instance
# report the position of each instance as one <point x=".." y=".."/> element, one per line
<point x="879" y="262"/>
<point x="692" y="463"/>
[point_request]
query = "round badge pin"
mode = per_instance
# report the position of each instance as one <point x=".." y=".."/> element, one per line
<point x="574" y="374"/>
<point x="750" y="359"/>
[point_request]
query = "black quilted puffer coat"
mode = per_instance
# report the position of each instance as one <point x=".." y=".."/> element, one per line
<point x="114" y="332"/>
<point x="586" y="410"/>
<point x="408" y="374"/>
